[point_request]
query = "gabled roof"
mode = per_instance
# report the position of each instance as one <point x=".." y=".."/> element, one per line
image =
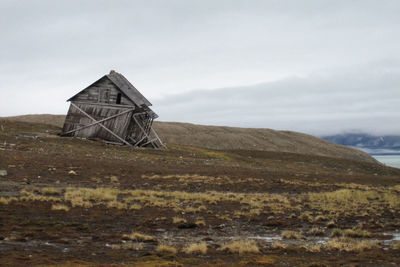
<point x="125" y="86"/>
<point x="128" y="89"/>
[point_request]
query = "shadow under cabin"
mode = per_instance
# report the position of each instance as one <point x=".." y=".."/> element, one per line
<point x="113" y="110"/>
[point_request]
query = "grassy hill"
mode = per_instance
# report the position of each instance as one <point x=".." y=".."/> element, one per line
<point x="226" y="138"/>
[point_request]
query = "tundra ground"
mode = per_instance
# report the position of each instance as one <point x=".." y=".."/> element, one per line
<point x="73" y="202"/>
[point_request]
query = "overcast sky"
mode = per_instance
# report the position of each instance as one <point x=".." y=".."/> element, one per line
<point x="319" y="67"/>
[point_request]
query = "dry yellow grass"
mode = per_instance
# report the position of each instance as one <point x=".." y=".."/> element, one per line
<point x="3" y="201"/>
<point x="315" y="248"/>
<point x="241" y="247"/>
<point x="59" y="207"/>
<point x="178" y="220"/>
<point x="200" y="222"/>
<point x="51" y="191"/>
<point x="135" y="207"/>
<point x="316" y="231"/>
<point x="139" y="237"/>
<point x="117" y="205"/>
<point x="163" y="248"/>
<point x="350" y="244"/>
<point x="196" y="248"/>
<point x="288" y="234"/>
<point x="114" y="179"/>
<point x="96" y="180"/>
<point x="278" y="245"/>
<point x="349" y="200"/>
<point x="354" y="233"/>
<point x="325" y="205"/>
<point x="128" y="246"/>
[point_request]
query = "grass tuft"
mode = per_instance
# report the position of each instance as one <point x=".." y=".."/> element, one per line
<point x="59" y="207"/>
<point x="178" y="220"/>
<point x="288" y="234"/>
<point x="350" y="244"/>
<point x="139" y="237"/>
<point x="163" y="248"/>
<point x="196" y="248"/>
<point x="241" y="247"/>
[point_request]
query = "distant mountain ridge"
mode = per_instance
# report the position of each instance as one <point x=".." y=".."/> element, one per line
<point x="385" y="144"/>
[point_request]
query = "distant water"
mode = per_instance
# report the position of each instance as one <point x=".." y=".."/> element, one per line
<point x="389" y="160"/>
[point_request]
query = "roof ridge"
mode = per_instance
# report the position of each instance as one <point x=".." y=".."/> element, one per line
<point x="128" y="89"/>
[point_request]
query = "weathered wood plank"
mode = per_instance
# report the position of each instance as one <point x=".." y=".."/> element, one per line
<point x="97" y="122"/>
<point x="101" y="125"/>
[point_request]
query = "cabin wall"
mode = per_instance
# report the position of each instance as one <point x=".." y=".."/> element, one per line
<point x="103" y="91"/>
<point x="135" y="131"/>
<point x="119" y="125"/>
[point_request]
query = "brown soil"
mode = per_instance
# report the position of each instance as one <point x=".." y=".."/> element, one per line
<point x="221" y="195"/>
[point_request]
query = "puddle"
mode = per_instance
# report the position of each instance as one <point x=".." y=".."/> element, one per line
<point x="396" y="236"/>
<point x="267" y="238"/>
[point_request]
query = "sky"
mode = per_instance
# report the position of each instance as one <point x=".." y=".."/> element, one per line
<point x="320" y="67"/>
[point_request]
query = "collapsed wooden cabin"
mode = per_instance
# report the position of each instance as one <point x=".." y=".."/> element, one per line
<point x="112" y="109"/>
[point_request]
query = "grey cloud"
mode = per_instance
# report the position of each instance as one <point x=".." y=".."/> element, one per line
<point x="297" y="53"/>
<point x="365" y="99"/>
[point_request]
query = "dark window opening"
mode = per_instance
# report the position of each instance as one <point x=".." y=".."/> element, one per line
<point x="119" y="99"/>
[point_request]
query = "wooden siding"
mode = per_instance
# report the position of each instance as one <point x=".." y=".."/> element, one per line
<point x="96" y="92"/>
<point x="135" y="131"/>
<point x="118" y="125"/>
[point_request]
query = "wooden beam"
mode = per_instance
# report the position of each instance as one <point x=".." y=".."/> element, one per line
<point x="97" y="122"/>
<point x="151" y="129"/>
<point x="138" y="142"/>
<point x="140" y="126"/>
<point x="151" y="141"/>
<point x="154" y="132"/>
<point x="101" y="125"/>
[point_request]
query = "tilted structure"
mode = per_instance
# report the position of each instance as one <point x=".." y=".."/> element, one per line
<point x="112" y="109"/>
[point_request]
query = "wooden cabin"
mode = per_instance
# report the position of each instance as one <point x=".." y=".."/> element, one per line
<point x="112" y="109"/>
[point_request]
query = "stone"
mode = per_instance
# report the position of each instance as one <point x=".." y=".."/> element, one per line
<point x="3" y="172"/>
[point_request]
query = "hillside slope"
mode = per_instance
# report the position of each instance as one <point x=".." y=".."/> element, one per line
<point x="221" y="137"/>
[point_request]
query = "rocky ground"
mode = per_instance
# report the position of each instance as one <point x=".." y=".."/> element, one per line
<point x="70" y="202"/>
